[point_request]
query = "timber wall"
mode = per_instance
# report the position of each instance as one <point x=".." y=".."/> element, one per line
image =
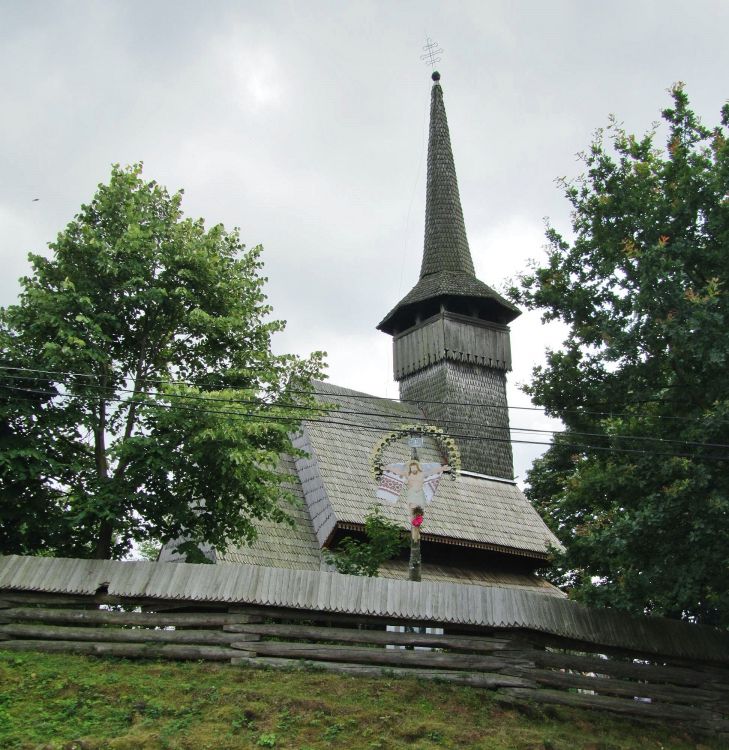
<point x="70" y="606"/>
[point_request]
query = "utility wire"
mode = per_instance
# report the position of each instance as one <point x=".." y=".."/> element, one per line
<point x="355" y="426"/>
<point x="333" y="409"/>
<point x="365" y="396"/>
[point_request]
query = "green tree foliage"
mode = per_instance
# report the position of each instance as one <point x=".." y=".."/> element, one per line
<point x="364" y="557"/>
<point x="139" y="396"/>
<point x="643" y="287"/>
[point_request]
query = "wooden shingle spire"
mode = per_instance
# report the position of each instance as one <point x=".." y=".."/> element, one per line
<point x="447" y="275"/>
<point x="446" y="244"/>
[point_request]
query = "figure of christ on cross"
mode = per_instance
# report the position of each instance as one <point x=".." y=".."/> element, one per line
<point x="419" y="482"/>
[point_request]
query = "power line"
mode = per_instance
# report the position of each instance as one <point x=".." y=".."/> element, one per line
<point x="333" y="409"/>
<point x="355" y="426"/>
<point x="366" y="396"/>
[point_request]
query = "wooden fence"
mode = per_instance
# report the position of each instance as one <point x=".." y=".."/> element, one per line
<point x="521" y="664"/>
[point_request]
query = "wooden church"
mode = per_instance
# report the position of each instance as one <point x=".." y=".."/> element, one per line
<point x="451" y="354"/>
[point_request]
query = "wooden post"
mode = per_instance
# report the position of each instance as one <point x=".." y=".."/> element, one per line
<point x="414" y="568"/>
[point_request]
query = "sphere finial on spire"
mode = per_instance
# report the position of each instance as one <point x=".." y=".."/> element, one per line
<point x="436" y="76"/>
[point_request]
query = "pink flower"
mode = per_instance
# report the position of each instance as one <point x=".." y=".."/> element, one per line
<point x="417" y="520"/>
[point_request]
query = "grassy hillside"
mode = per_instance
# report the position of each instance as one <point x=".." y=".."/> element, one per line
<point x="80" y="703"/>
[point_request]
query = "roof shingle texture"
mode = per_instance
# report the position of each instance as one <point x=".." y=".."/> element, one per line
<point x="279" y="545"/>
<point x="464" y="574"/>
<point x="447" y="266"/>
<point x="470" y="511"/>
<point x="446" y="245"/>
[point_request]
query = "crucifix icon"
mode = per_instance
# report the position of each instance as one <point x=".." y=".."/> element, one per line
<point x="413" y="480"/>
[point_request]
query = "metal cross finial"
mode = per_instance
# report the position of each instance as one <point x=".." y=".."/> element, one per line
<point x="431" y="52"/>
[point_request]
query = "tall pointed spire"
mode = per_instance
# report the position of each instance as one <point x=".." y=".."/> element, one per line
<point x="447" y="278"/>
<point x="451" y="346"/>
<point x="446" y="244"/>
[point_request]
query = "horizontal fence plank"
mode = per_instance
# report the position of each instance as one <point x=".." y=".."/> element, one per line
<point x="16" y="598"/>
<point x="112" y="617"/>
<point x="41" y="599"/>
<point x="121" y="635"/>
<point x="658" y="673"/>
<point x="126" y="650"/>
<point x="622" y="688"/>
<point x="392" y="657"/>
<point x="474" y="679"/>
<point x="329" y="619"/>
<point x="637" y="709"/>
<point x="243" y="613"/>
<point x="355" y="635"/>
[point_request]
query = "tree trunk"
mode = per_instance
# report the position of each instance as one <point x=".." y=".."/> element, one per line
<point x="103" y="544"/>
<point x="106" y="529"/>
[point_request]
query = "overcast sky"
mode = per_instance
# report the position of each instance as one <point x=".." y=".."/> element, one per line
<point x="305" y="124"/>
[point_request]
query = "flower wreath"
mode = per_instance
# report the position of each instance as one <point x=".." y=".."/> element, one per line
<point x="446" y="443"/>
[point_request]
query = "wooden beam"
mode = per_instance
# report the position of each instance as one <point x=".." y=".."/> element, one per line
<point x="474" y="679"/>
<point x="388" y="657"/>
<point x="126" y="650"/>
<point x="32" y="597"/>
<point x="122" y="635"/>
<point x="657" y="673"/>
<point x="110" y="617"/>
<point x="661" y="712"/>
<point x="354" y="635"/>
<point x="621" y="688"/>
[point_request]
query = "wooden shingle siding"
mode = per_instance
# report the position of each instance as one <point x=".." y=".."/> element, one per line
<point x="449" y="393"/>
<point x="280" y="545"/>
<point x="477" y="577"/>
<point x="451" y="336"/>
<point x="314" y="489"/>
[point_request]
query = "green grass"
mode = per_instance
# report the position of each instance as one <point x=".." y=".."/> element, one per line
<point x="82" y="703"/>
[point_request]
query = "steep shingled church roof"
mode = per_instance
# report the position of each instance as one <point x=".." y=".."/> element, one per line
<point x="447" y="267"/>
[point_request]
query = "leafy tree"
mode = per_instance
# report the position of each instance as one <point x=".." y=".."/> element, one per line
<point x="149" y="550"/>
<point x="638" y="486"/>
<point x="139" y="396"/>
<point x="363" y="558"/>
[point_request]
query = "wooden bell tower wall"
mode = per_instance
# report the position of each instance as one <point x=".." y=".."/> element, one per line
<point x="456" y="366"/>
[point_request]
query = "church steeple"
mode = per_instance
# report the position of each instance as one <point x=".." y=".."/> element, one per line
<point x="446" y="244"/>
<point x="447" y="277"/>
<point x="451" y="348"/>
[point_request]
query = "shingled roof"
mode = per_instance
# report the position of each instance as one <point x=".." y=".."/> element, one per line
<point x="337" y="491"/>
<point x="279" y="545"/>
<point x="447" y="267"/>
<point x="473" y="511"/>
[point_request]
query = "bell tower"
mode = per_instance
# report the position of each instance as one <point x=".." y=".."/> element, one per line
<point x="451" y="346"/>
